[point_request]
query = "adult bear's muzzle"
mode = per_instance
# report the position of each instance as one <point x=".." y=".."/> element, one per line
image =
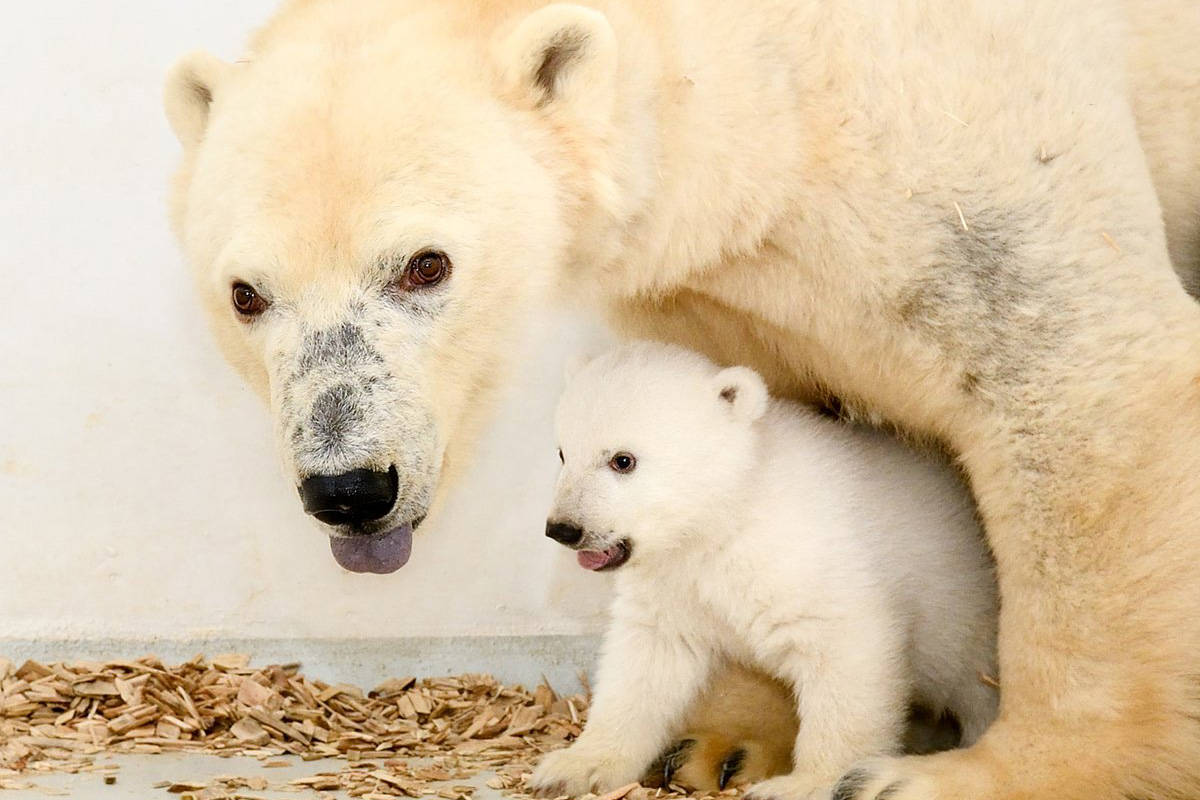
<point x="351" y="502"/>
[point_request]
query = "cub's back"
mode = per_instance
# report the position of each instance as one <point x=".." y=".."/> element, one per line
<point x="907" y="512"/>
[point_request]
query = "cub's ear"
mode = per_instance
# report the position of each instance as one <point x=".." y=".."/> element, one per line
<point x="562" y="55"/>
<point x="188" y="94"/>
<point x="744" y="390"/>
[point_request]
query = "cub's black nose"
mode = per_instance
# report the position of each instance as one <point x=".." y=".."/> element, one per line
<point x="563" y="533"/>
<point x="354" y="497"/>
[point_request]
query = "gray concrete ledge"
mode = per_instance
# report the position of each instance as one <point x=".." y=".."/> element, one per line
<point x="361" y="662"/>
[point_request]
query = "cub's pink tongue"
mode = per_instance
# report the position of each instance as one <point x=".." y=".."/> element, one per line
<point x="381" y="554"/>
<point x="598" y="559"/>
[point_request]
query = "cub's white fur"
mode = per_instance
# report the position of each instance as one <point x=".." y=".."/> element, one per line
<point x="762" y="533"/>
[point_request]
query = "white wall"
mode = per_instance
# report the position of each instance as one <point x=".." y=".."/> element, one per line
<point x="140" y="494"/>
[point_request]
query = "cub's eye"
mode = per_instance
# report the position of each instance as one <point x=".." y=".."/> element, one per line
<point x="561" y="460"/>
<point x="622" y="463"/>
<point x="428" y="268"/>
<point x="248" y="302"/>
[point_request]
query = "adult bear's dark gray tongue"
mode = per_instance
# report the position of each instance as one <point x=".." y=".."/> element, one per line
<point x="381" y="553"/>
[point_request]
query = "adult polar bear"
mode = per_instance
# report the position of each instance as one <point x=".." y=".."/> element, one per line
<point x="943" y="213"/>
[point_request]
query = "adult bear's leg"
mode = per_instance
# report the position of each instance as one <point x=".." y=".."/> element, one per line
<point x="1090" y="488"/>
<point x="1067" y="378"/>
<point x="1046" y="340"/>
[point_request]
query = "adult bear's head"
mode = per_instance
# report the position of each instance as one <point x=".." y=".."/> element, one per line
<point x="374" y="201"/>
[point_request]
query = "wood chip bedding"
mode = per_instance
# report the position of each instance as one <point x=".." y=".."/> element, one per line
<point x="405" y="738"/>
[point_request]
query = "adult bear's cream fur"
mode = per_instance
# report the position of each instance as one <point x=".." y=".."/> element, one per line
<point x="948" y="215"/>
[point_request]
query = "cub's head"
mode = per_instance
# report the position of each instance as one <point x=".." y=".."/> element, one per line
<point x="656" y="444"/>
<point x="374" y="202"/>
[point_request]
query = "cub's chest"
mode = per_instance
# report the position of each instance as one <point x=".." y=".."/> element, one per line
<point x="688" y="597"/>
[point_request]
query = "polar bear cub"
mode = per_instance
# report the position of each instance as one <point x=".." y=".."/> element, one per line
<point x="751" y="530"/>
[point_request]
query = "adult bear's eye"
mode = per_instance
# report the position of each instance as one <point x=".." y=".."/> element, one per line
<point x="622" y="463"/>
<point x="428" y="268"/>
<point x="561" y="460"/>
<point x="247" y="301"/>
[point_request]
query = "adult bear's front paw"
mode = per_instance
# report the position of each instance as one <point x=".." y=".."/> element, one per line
<point x="582" y="768"/>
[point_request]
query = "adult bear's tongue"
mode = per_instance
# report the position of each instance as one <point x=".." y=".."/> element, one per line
<point x="381" y="553"/>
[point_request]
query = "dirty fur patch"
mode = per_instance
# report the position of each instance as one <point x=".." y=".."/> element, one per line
<point x="341" y="347"/>
<point x="984" y="303"/>
<point x="341" y="404"/>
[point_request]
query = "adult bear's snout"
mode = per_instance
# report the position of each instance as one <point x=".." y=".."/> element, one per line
<point x="351" y="498"/>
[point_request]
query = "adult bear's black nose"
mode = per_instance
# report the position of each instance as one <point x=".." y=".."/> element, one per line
<point x="354" y="497"/>
<point x="564" y="533"/>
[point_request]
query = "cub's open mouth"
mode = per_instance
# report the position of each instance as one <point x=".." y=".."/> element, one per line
<point x="610" y="558"/>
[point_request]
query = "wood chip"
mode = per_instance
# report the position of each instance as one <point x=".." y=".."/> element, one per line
<point x="269" y="721"/>
<point x="255" y="694"/>
<point x="617" y="794"/>
<point x="249" y="732"/>
<point x="231" y="662"/>
<point x="185" y="786"/>
<point x="95" y="688"/>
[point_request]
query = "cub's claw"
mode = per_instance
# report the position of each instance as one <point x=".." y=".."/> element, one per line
<point x="730" y="767"/>
<point x="670" y="761"/>
<point x="705" y="762"/>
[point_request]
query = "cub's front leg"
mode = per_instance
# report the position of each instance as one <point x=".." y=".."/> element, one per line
<point x="646" y="680"/>
<point x="853" y="699"/>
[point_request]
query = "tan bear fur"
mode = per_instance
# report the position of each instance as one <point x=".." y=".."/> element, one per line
<point x="744" y="715"/>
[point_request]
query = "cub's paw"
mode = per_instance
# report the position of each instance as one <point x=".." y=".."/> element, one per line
<point x="578" y="770"/>
<point x="795" y="786"/>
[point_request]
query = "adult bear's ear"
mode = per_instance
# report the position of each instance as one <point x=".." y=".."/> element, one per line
<point x="188" y="94"/>
<point x="562" y="55"/>
<point x="744" y="390"/>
